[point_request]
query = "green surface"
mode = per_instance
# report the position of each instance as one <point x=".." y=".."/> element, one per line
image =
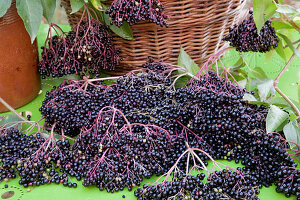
<point x="58" y="192"/>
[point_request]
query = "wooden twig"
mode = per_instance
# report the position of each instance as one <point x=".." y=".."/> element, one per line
<point x="277" y="81"/>
<point x="12" y="110"/>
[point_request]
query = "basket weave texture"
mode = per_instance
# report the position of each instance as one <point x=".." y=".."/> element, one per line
<point x="10" y="15"/>
<point x="196" y="25"/>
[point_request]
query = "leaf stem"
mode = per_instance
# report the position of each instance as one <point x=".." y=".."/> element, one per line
<point x="34" y="123"/>
<point x="295" y="42"/>
<point x="12" y="110"/>
<point x="277" y="81"/>
<point x="292" y="23"/>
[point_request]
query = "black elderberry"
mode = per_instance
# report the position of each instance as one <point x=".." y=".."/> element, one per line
<point x="133" y="11"/>
<point x="86" y="49"/>
<point x="245" y="36"/>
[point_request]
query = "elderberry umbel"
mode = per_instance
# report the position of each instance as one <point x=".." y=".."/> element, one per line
<point x="245" y="36"/>
<point x="132" y="11"/>
<point x="88" y="48"/>
<point x="223" y="184"/>
<point x="288" y="181"/>
<point x="34" y="158"/>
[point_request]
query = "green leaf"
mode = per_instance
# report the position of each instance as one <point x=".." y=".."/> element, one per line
<point x="31" y="12"/>
<point x="10" y="120"/>
<point x="287" y="9"/>
<point x="76" y="5"/>
<point x="124" y="31"/>
<point x="275" y="118"/>
<point x="258" y="72"/>
<point x="249" y="97"/>
<point x="291" y="132"/>
<point x="97" y="4"/>
<point x="186" y="61"/>
<point x="4" y="5"/>
<point x="239" y="74"/>
<point x="265" y="88"/>
<point x="297" y="22"/>
<point x="270" y="10"/>
<point x="48" y="9"/>
<point x="293" y="117"/>
<point x="258" y="14"/>
<point x="181" y="82"/>
<point x="269" y="55"/>
<point x="239" y="63"/>
<point x="290" y="44"/>
<point x="280" y="50"/>
<point x="279" y="101"/>
<point x="298" y="92"/>
<point x="298" y="158"/>
<point x="278" y="25"/>
<point x="242" y="83"/>
<point x="262" y="11"/>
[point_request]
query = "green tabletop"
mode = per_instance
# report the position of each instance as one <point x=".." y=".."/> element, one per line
<point x="59" y="192"/>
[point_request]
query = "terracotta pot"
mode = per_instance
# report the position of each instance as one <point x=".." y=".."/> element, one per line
<point x="19" y="78"/>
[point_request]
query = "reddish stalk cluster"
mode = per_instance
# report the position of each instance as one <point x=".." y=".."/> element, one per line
<point x="115" y="154"/>
<point x="215" y="77"/>
<point x="88" y="48"/>
<point x="228" y="183"/>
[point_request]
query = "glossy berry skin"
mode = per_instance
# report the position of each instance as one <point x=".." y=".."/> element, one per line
<point x="245" y="36"/>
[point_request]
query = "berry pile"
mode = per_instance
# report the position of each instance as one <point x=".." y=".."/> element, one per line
<point x="88" y="48"/>
<point x="150" y="98"/>
<point x="143" y="126"/>
<point x="133" y="11"/>
<point x="75" y="104"/>
<point x="245" y="36"/>
<point x="223" y="184"/>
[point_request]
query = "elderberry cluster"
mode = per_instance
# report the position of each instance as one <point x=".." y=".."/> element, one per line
<point x="36" y="160"/>
<point x="134" y="11"/>
<point x="86" y="49"/>
<point x="245" y="36"/>
<point x="223" y="184"/>
<point x="289" y="181"/>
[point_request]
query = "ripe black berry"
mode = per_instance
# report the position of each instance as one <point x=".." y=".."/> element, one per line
<point x="245" y="36"/>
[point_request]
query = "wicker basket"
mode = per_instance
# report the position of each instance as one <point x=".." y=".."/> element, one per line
<point x="196" y="25"/>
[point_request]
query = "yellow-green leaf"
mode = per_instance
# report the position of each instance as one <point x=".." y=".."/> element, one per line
<point x="97" y="4"/>
<point x="280" y="50"/>
<point x="290" y="44"/>
<point x="262" y="11"/>
<point x="281" y="25"/>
